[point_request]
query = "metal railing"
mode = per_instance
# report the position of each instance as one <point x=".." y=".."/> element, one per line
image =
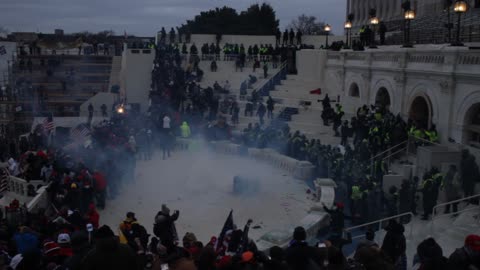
<point x="280" y="74"/>
<point x="390" y="152"/>
<point x="232" y="57"/>
<point x="466" y="199"/>
<point x="380" y="222"/>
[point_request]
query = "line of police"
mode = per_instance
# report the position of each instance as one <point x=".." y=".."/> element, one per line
<point x="358" y="170"/>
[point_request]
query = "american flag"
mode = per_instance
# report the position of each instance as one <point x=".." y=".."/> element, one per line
<point x="48" y="124"/>
<point x="79" y="133"/>
<point x="3" y="51"/>
<point x="222" y="242"/>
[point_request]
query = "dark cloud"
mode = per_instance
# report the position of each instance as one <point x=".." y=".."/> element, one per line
<point x="145" y="17"/>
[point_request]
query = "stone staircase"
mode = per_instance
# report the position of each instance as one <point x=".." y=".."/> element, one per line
<point x="226" y="71"/>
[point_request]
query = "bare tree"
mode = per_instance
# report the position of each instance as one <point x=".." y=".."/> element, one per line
<point x="4" y="32"/>
<point x="308" y="25"/>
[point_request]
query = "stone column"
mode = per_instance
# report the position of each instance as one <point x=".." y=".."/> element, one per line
<point x="360" y="13"/>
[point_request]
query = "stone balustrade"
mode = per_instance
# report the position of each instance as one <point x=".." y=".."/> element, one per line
<point x="435" y="59"/>
<point x="19" y="189"/>
<point x="299" y="169"/>
<point x="19" y="186"/>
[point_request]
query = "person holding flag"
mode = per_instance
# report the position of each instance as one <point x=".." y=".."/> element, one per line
<point x="221" y="243"/>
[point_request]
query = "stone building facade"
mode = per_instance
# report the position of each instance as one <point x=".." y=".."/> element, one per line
<point x="391" y="10"/>
<point x="432" y="86"/>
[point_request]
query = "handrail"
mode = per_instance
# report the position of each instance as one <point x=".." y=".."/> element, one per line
<point x="389" y="149"/>
<point x="434" y="215"/>
<point x="273" y="76"/>
<point x="424" y="140"/>
<point x="379" y="222"/>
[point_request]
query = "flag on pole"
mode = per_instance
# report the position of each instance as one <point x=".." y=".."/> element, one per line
<point x="48" y="124"/>
<point x="222" y="242"/>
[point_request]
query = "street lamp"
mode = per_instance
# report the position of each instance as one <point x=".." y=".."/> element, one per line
<point x="327" y="30"/>
<point x="409" y="16"/>
<point x="348" y="28"/>
<point x="373" y="21"/>
<point x="459" y="7"/>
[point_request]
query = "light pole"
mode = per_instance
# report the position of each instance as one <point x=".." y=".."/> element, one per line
<point x="373" y="21"/>
<point x="409" y="16"/>
<point x="459" y="7"/>
<point x="327" y="30"/>
<point x="449" y="24"/>
<point x="348" y="28"/>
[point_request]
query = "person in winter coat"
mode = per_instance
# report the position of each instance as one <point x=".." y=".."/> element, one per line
<point x="299" y="255"/>
<point x="277" y="259"/>
<point x="26" y="240"/>
<point x="80" y="247"/>
<point x="164" y="227"/>
<point x="430" y="256"/>
<point x="185" y="129"/>
<point x="404" y="198"/>
<point x="92" y="216"/>
<point x="452" y="187"/>
<point x="130" y="231"/>
<point x="100" y="184"/>
<point x="337" y="217"/>
<point x="261" y="112"/>
<point x="469" y="173"/>
<point x="108" y="253"/>
<point x="370" y="257"/>
<point x="394" y="245"/>
<point x="270" y="107"/>
<point x="468" y="256"/>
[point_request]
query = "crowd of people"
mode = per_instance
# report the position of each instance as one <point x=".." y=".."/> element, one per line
<point x="357" y="166"/>
<point x="69" y="234"/>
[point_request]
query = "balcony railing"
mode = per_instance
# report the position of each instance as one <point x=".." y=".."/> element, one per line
<point x="433" y="60"/>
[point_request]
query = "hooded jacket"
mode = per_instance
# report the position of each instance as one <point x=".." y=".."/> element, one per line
<point x="185" y="130"/>
<point x="110" y="254"/>
<point x="394" y="244"/>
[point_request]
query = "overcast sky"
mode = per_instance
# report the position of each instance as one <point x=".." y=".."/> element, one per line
<point x="145" y="17"/>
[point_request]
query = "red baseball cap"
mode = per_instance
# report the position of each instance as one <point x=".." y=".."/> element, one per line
<point x="473" y="242"/>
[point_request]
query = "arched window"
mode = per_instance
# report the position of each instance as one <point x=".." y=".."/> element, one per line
<point x="354" y="91"/>
<point x="420" y="112"/>
<point x="382" y="98"/>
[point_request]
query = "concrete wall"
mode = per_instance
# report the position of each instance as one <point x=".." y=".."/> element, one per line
<point x="317" y="41"/>
<point x="310" y="64"/>
<point x="11" y="50"/>
<point x="136" y="75"/>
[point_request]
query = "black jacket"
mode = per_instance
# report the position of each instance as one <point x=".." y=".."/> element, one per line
<point x="337" y="217"/>
<point x="164" y="227"/>
<point x="300" y="256"/>
<point x="110" y="254"/>
<point x="463" y="259"/>
<point x="394" y="244"/>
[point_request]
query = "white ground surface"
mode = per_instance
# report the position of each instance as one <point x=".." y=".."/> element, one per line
<point x="200" y="186"/>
